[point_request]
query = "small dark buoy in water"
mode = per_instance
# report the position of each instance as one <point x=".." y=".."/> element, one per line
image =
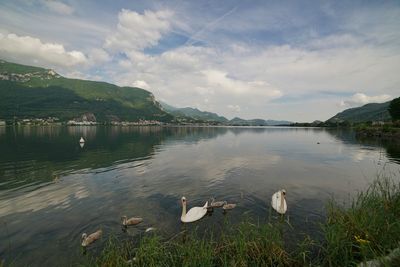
<point x="318" y="143"/>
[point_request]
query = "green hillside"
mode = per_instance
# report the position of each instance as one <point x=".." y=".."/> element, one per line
<point x="8" y="67"/>
<point x="368" y="112"/>
<point x="193" y="113"/>
<point x="31" y="92"/>
<point x="202" y="115"/>
<point x="238" y="121"/>
<point x="256" y="122"/>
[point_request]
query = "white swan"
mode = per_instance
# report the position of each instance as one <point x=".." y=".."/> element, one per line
<point x="194" y="214"/>
<point x="87" y="240"/>
<point x="278" y="201"/>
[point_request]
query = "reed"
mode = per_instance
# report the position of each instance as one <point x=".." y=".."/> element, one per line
<point x="369" y="229"/>
<point x="247" y="244"/>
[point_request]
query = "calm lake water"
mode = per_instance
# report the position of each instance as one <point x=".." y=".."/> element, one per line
<point x="52" y="190"/>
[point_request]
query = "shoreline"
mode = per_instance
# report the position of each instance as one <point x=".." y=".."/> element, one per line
<point x="379" y="132"/>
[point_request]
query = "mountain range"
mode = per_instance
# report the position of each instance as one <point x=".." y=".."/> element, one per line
<point x="368" y="112"/>
<point x="194" y="114"/>
<point x="28" y="92"/>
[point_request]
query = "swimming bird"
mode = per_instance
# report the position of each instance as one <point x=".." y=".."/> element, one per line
<point x="194" y="214"/>
<point x="216" y="204"/>
<point x="81" y="140"/>
<point x="227" y="206"/>
<point x="131" y="221"/>
<point x="87" y="240"/>
<point x="278" y="201"/>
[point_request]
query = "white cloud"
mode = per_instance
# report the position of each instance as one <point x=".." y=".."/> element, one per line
<point x="33" y="49"/>
<point x="359" y="99"/>
<point x="136" y="31"/>
<point x="341" y="69"/>
<point x="141" y="84"/>
<point x="257" y="75"/>
<point x="334" y="41"/>
<point x="82" y="76"/>
<point x="220" y="81"/>
<point x="97" y="56"/>
<point x="58" y="7"/>
<point x="190" y="76"/>
<point x="251" y="75"/>
<point x="235" y="108"/>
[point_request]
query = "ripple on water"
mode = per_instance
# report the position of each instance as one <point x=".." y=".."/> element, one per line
<point x="52" y="191"/>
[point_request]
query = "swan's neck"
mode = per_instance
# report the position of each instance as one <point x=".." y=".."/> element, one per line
<point x="183" y="209"/>
<point x="84" y="241"/>
<point x="282" y="201"/>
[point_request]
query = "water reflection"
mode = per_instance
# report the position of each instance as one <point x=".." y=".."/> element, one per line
<point x="393" y="151"/>
<point x="2" y="130"/>
<point x="87" y="132"/>
<point x="60" y="196"/>
<point x="391" y="147"/>
<point x="52" y="190"/>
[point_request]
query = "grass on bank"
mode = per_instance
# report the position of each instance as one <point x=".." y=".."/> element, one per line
<point x="246" y="244"/>
<point x="368" y="229"/>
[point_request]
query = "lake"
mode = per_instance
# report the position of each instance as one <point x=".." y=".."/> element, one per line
<point x="52" y="189"/>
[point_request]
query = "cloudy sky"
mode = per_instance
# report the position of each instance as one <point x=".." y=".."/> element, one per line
<point x="293" y="60"/>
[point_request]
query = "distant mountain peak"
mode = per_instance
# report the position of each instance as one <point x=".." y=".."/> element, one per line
<point x="189" y="113"/>
<point x="206" y="116"/>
